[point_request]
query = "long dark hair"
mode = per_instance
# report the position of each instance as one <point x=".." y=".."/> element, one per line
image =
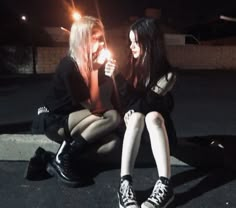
<point x="152" y="63"/>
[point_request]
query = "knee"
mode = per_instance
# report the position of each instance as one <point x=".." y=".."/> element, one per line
<point x="136" y="120"/>
<point x="154" y="118"/>
<point x="113" y="117"/>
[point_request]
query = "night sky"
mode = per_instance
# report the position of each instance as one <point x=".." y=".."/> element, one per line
<point x="177" y="13"/>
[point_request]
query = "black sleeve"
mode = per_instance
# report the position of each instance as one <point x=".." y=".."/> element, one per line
<point x="127" y="94"/>
<point x="138" y="101"/>
<point x="74" y="83"/>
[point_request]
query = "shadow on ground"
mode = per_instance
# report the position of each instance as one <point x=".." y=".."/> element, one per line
<point x="212" y="158"/>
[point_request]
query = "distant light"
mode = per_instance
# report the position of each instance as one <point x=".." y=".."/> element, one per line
<point x="24" y="18"/>
<point x="230" y="19"/>
<point x="64" y="29"/>
<point x="76" y="15"/>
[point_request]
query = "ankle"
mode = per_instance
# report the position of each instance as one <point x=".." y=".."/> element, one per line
<point x="126" y="177"/>
<point x="164" y="180"/>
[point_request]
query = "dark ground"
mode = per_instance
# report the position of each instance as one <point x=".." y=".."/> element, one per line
<point x="194" y="188"/>
<point x="204" y="116"/>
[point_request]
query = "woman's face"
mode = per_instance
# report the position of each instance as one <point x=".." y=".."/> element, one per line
<point x="134" y="45"/>
<point x="97" y="42"/>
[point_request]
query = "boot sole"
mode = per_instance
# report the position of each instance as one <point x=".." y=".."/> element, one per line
<point x="51" y="170"/>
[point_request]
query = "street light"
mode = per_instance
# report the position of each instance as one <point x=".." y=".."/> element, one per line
<point x="23" y="18"/>
<point x="76" y="15"/>
<point x="226" y="18"/>
<point x="65" y="30"/>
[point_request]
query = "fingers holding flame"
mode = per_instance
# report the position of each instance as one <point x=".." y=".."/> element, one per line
<point x="103" y="56"/>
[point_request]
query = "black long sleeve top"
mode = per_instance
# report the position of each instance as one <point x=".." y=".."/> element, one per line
<point x="142" y="100"/>
<point x="69" y="88"/>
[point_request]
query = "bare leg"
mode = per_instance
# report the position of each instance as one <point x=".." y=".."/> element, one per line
<point x="93" y="127"/>
<point x="159" y="142"/>
<point x="131" y="143"/>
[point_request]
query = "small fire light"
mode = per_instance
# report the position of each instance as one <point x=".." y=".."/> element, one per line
<point x="104" y="55"/>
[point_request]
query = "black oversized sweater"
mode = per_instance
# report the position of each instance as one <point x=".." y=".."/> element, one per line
<point x="69" y="88"/>
<point x="142" y="100"/>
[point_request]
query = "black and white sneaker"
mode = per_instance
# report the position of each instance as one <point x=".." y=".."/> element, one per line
<point x="162" y="195"/>
<point x="126" y="195"/>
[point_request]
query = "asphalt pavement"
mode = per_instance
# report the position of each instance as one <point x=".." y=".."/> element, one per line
<point x="205" y="121"/>
<point x="194" y="188"/>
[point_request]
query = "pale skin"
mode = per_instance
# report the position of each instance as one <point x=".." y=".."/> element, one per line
<point x="94" y="127"/>
<point x="156" y="129"/>
<point x="135" y="123"/>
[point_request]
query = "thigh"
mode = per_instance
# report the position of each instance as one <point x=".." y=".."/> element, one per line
<point x="77" y="116"/>
<point x="80" y="120"/>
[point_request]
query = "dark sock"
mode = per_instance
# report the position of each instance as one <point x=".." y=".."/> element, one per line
<point x="165" y="180"/>
<point x="126" y="177"/>
<point x="79" y="143"/>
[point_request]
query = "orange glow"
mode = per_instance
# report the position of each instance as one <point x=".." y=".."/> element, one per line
<point x="104" y="55"/>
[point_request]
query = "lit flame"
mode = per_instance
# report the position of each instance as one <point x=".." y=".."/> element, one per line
<point x="104" y="55"/>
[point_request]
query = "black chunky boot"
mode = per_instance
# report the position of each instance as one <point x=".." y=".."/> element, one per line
<point x="63" y="165"/>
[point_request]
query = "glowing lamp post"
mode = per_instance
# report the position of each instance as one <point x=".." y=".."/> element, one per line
<point x="23" y="18"/>
<point x="226" y="18"/>
<point x="76" y="15"/>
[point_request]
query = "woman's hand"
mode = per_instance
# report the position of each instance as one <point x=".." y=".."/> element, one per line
<point x="127" y="116"/>
<point x="110" y="67"/>
<point x="102" y="56"/>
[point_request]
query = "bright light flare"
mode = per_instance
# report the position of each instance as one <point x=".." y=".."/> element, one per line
<point x="104" y="55"/>
<point x="65" y="30"/>
<point x="23" y="18"/>
<point x="226" y="18"/>
<point x="76" y="16"/>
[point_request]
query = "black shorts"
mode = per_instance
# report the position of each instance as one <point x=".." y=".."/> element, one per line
<point x="49" y="124"/>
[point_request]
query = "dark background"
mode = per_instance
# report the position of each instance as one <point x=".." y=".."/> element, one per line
<point x="186" y="16"/>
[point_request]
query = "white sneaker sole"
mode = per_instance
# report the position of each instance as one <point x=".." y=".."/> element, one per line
<point x="168" y="203"/>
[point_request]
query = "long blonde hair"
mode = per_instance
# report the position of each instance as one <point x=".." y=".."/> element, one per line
<point x="80" y="42"/>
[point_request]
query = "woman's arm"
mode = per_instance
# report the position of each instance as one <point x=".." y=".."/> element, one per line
<point x="165" y="84"/>
<point x="74" y="83"/>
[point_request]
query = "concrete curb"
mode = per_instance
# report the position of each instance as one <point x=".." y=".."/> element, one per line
<point x="21" y="147"/>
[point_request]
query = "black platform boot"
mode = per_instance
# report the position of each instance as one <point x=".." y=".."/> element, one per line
<point x="63" y="166"/>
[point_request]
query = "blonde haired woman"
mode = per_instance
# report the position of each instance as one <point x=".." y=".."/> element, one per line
<point x="79" y="110"/>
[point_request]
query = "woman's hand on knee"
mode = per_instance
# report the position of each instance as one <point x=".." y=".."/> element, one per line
<point x="127" y="116"/>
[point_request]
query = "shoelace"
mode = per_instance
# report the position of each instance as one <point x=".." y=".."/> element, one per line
<point x="67" y="163"/>
<point x="127" y="192"/>
<point x="158" y="192"/>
